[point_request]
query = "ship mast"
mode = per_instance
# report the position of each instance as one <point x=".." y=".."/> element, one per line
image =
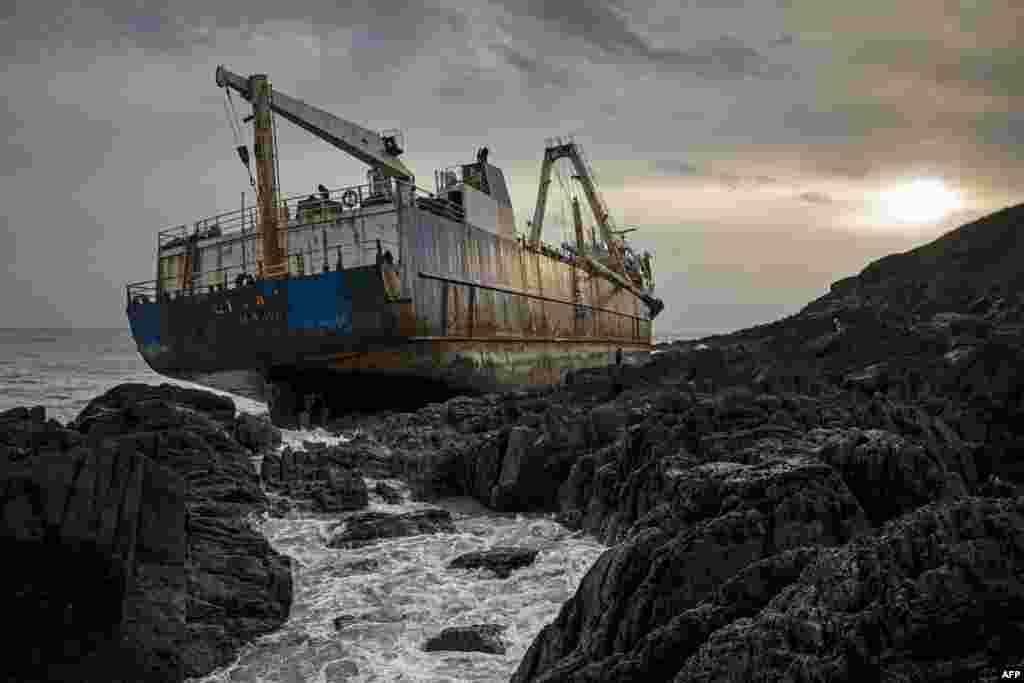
<point x="378" y="150"/>
<point x="266" y="180"/>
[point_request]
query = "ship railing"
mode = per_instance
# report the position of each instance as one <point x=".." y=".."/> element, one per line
<point x="297" y="263"/>
<point x="299" y="210"/>
<point x="446" y="177"/>
<point x="141" y="292"/>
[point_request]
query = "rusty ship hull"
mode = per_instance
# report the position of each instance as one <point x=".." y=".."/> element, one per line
<point x="384" y="292"/>
<point x="474" y="312"/>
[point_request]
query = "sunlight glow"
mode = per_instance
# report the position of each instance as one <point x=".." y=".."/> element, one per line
<point x="921" y="201"/>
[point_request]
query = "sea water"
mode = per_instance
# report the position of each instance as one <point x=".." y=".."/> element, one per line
<point x="62" y="370"/>
<point x="394" y="595"/>
<point x="390" y="606"/>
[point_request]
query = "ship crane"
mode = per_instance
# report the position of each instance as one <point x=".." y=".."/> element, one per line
<point x="379" y="151"/>
<point x="617" y="248"/>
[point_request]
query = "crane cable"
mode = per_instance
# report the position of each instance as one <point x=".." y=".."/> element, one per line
<point x="236" y="130"/>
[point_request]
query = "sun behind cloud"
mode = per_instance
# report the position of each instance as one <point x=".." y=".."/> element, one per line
<point x="922" y="200"/>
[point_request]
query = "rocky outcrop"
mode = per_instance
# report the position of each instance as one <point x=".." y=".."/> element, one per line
<point x="320" y="480"/>
<point x="475" y="638"/>
<point x="718" y="519"/>
<point x="718" y="500"/>
<point x="257" y="433"/>
<point x="369" y="527"/>
<point x="794" y="501"/>
<point x="937" y="595"/>
<point x="388" y="493"/>
<point x="146" y="497"/>
<point x="500" y="560"/>
<point x="97" y="548"/>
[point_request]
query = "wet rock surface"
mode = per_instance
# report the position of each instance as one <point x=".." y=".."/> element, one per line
<point x="475" y="638"/>
<point x="389" y="493"/>
<point x="370" y="527"/>
<point x="320" y="479"/>
<point x="935" y="595"/>
<point x="257" y="433"/>
<point x="144" y="497"/>
<point x="500" y="560"/>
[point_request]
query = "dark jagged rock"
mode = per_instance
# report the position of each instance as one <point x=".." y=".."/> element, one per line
<point x="128" y="406"/>
<point x="888" y="474"/>
<point x="937" y="595"/>
<point x="500" y="560"/>
<point x="476" y="638"/>
<point x="343" y="620"/>
<point x="340" y="490"/>
<point x="387" y="492"/>
<point x="115" y="520"/>
<point x="605" y="422"/>
<point x="718" y="519"/>
<point x="529" y="473"/>
<point x="178" y="582"/>
<point x="25" y="432"/>
<point x="238" y="586"/>
<point x="288" y="466"/>
<point x="663" y="651"/>
<point x="257" y="433"/>
<point x="369" y="527"/>
<point x="320" y="480"/>
<point x="146" y="499"/>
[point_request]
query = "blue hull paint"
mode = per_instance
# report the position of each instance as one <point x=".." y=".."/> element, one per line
<point x="144" y="320"/>
<point x="324" y="302"/>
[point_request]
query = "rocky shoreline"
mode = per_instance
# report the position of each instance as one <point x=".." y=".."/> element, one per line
<point x="129" y="531"/>
<point x="833" y="496"/>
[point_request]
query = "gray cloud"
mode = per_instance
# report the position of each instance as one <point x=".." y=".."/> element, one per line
<point x="721" y="58"/>
<point x="848" y="121"/>
<point x="604" y="25"/>
<point x="733" y="181"/>
<point x="687" y="116"/>
<point x="180" y="26"/>
<point x="468" y="85"/>
<point x="538" y="73"/>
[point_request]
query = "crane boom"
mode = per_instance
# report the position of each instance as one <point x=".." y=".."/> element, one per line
<point x="597" y="206"/>
<point x="612" y="237"/>
<point x="362" y="143"/>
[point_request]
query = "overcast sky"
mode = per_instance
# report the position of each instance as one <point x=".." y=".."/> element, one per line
<point x="751" y="141"/>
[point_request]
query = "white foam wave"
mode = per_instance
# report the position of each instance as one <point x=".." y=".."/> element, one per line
<point x="295" y="438"/>
<point x="408" y="595"/>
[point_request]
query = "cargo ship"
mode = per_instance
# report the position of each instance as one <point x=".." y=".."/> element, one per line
<point x="385" y="293"/>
